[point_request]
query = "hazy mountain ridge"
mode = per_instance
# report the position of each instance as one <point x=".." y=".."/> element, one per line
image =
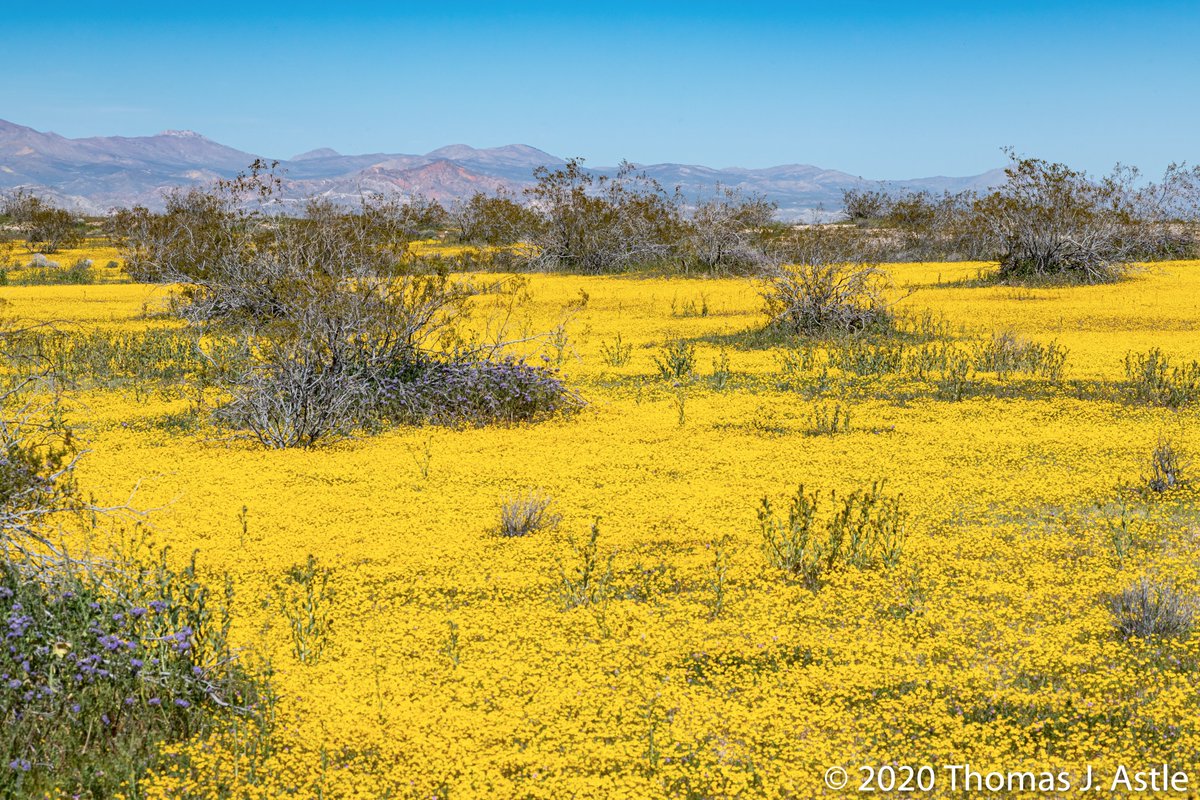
<point x="95" y="174"/>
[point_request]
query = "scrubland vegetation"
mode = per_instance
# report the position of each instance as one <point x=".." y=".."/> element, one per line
<point x="331" y="507"/>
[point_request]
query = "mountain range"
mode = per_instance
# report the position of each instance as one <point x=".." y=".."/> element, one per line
<point x="95" y="174"/>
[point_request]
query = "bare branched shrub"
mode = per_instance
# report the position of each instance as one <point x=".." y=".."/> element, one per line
<point x="1049" y="220"/>
<point x="1152" y="609"/>
<point x="828" y="281"/>
<point x="595" y="223"/>
<point x="725" y="233"/>
<point x="1168" y="466"/>
<point x="338" y="320"/>
<point x="526" y="514"/>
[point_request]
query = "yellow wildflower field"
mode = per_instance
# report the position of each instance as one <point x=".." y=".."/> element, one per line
<point x="452" y="666"/>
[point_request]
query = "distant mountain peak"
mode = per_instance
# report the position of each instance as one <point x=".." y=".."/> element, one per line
<point x="320" y="152"/>
<point x="183" y="134"/>
<point x="512" y="154"/>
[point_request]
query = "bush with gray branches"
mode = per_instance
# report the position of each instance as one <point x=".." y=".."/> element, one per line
<point x="331" y="307"/>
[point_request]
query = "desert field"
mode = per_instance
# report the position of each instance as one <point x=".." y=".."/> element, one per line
<point x="652" y="640"/>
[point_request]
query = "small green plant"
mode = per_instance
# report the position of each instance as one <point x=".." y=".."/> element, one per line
<point x="586" y="582"/>
<point x="722" y="372"/>
<point x="1152" y="609"/>
<point x="1124" y="532"/>
<point x="679" y="399"/>
<point x="451" y="647"/>
<point x="559" y="342"/>
<point x="1167" y="468"/>
<point x="956" y="381"/>
<point x="928" y="359"/>
<point x="305" y="599"/>
<point x="244" y="520"/>
<point x="866" y="530"/>
<point x="616" y="354"/>
<point x="868" y="358"/>
<point x="828" y="421"/>
<point x="795" y="361"/>
<point x="677" y="361"/>
<point x="526" y="514"/>
<point x="690" y="308"/>
<point x="719" y="582"/>
<point x="1154" y="379"/>
<point x="422" y="456"/>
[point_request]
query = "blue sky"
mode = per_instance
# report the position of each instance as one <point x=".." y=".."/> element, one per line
<point x="883" y="90"/>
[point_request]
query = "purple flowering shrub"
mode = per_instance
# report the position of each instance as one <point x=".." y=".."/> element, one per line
<point x="451" y="392"/>
<point x="98" y="670"/>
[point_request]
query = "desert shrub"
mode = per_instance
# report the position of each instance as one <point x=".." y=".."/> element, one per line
<point x="677" y="360"/>
<point x="44" y="227"/>
<point x="1045" y="222"/>
<point x="343" y="330"/>
<point x="293" y="393"/>
<point x="867" y="529"/>
<point x="864" y="206"/>
<point x="494" y="220"/>
<point x="595" y="223"/>
<point x="457" y="392"/>
<point x="1004" y="353"/>
<point x="526" y="514"/>
<point x="1153" y="378"/>
<point x="1049" y="220"/>
<point x="1167" y="467"/>
<point x="827" y="282"/>
<point x="725" y="234"/>
<point x="921" y="226"/>
<point x="1152" y="609"/>
<point x="80" y="273"/>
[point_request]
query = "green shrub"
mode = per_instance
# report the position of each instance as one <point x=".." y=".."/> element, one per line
<point x="1005" y="353"/>
<point x="1153" y="378"/>
<point x="616" y="354"/>
<point x="677" y="361"/>
<point x="828" y="281"/>
<point x="867" y="529"/>
<point x="587" y="580"/>
<point x="305" y="600"/>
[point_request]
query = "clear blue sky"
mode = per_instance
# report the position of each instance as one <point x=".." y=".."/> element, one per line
<point x="879" y="89"/>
